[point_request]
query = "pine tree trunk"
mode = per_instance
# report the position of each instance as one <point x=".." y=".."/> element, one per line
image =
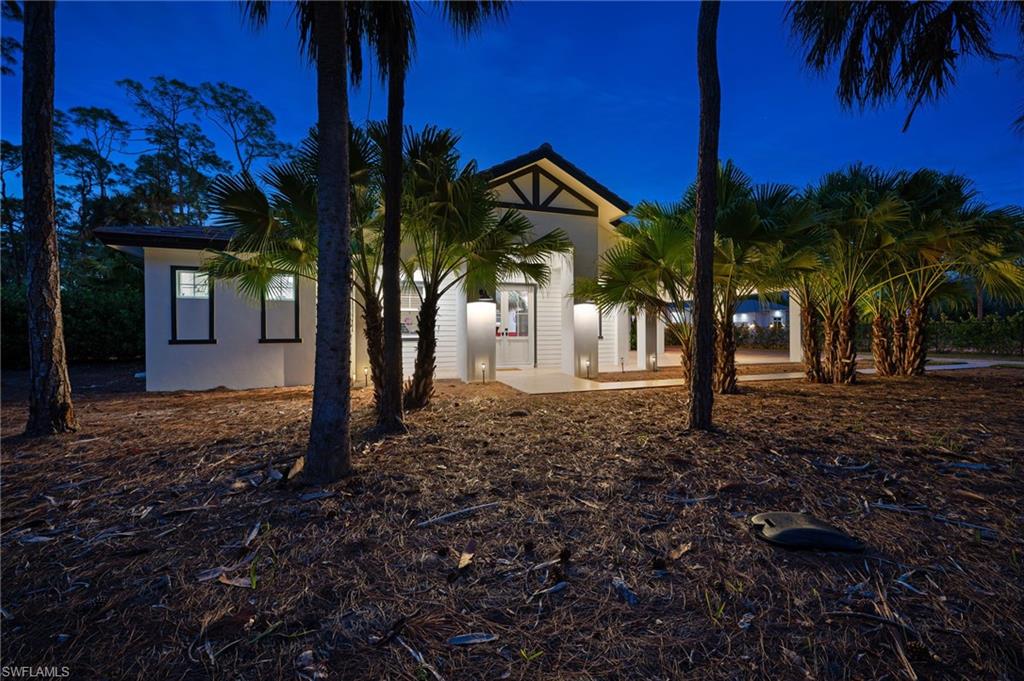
<point x="373" y="330"/>
<point x="898" y="347"/>
<point x="881" y="345"/>
<point x="50" y="409"/>
<point x="725" y="357"/>
<point x="701" y="389"/>
<point x="328" y="456"/>
<point x="389" y="408"/>
<point x="809" y="323"/>
<point x="420" y="388"/>
<point x="846" y="346"/>
<point x="916" y="353"/>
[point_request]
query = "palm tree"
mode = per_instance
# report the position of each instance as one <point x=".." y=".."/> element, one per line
<point x="50" y="406"/>
<point x="391" y="30"/>
<point x="275" y="230"/>
<point x="947" y="232"/>
<point x="701" y="389"/>
<point x="862" y="211"/>
<point x="898" y="50"/>
<point x="650" y="268"/>
<point x="752" y="224"/>
<point x="325" y="33"/>
<point x="459" y="237"/>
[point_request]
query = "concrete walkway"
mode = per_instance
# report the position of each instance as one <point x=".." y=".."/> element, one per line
<point x="551" y="381"/>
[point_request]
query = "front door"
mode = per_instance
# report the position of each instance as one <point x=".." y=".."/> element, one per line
<point x="514" y="325"/>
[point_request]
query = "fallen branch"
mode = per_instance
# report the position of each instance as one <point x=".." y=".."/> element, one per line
<point x="936" y="517"/>
<point x="455" y="514"/>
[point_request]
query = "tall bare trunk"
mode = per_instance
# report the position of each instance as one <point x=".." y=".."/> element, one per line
<point x="846" y="346"/>
<point x="49" y="409"/>
<point x="421" y="386"/>
<point x="916" y="353"/>
<point x="389" y="408"/>
<point x="328" y="456"/>
<point x="809" y="342"/>
<point x="881" y="345"/>
<point x="725" y="357"/>
<point x="701" y="390"/>
<point x="979" y="301"/>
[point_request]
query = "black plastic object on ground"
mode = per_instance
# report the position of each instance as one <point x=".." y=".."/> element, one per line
<point x="801" y="531"/>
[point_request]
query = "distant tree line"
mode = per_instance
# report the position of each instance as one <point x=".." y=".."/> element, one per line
<point x="152" y="169"/>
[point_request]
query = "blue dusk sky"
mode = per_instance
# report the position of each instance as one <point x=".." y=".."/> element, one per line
<point x="612" y="86"/>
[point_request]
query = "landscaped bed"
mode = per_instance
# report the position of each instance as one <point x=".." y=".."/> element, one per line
<point x="610" y="542"/>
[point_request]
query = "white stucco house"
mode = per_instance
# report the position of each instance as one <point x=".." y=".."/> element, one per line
<point x="202" y="335"/>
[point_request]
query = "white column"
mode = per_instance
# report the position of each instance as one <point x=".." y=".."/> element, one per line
<point x="568" y="327"/>
<point x="480" y="342"/>
<point x="796" y="352"/>
<point x="585" y="320"/>
<point x="646" y="340"/>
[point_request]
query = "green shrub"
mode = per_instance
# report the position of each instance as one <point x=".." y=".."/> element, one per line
<point x="102" y="321"/>
<point x="991" y="335"/>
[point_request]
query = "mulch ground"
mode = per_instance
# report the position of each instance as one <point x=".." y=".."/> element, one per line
<point x="160" y="541"/>
<point x="675" y="371"/>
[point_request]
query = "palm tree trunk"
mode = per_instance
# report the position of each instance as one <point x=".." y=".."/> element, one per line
<point x="389" y="408"/>
<point x="881" y="345"/>
<point x="725" y="357"/>
<point x="898" y="347"/>
<point x="701" y="390"/>
<point x="373" y="330"/>
<point x="846" y="346"/>
<point x="829" y="356"/>
<point x="809" y="323"/>
<point x="50" y="408"/>
<point x="421" y="387"/>
<point x="979" y="301"/>
<point x="328" y="456"/>
<point x="916" y="353"/>
<point x="685" y="339"/>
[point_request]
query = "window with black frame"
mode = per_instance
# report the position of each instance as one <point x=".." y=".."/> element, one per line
<point x="279" y="311"/>
<point x="192" y="306"/>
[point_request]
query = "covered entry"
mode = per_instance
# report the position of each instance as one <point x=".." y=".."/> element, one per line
<point x="515" y="325"/>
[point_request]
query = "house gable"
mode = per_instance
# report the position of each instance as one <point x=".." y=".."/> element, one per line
<point x="543" y="180"/>
<point x="534" y="188"/>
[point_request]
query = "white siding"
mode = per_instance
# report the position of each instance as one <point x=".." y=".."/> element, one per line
<point x="237" y="360"/>
<point x="447" y="339"/>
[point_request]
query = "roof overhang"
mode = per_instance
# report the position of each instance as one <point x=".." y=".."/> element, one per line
<point x="148" y="236"/>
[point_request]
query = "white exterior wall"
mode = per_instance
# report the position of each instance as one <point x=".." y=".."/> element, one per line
<point x="237" y="359"/>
